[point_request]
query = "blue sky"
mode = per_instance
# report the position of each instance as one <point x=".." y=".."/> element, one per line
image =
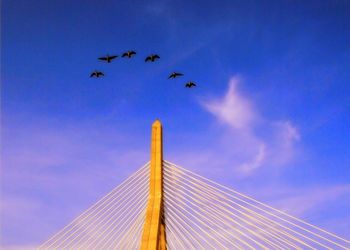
<point x="270" y="115"/>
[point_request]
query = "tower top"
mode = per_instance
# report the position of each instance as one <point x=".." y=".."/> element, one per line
<point x="157" y="123"/>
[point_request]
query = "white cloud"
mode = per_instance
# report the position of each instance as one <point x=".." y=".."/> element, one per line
<point x="283" y="146"/>
<point x="233" y="108"/>
<point x="302" y="201"/>
<point x="322" y="205"/>
<point x="256" y="162"/>
<point x="19" y="247"/>
<point x="244" y="140"/>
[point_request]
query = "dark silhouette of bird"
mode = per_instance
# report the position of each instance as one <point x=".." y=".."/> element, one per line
<point x="97" y="74"/>
<point x="152" y="58"/>
<point x="129" y="54"/>
<point x="190" y="85"/>
<point x="175" y="74"/>
<point x="107" y="58"/>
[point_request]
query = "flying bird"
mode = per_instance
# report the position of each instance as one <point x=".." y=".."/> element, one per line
<point x="129" y="54"/>
<point x="97" y="74"/>
<point x="152" y="58"/>
<point x="107" y="58"/>
<point x="174" y="75"/>
<point x="190" y="85"/>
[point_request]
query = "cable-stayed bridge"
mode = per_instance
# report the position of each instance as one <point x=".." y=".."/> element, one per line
<point x="165" y="206"/>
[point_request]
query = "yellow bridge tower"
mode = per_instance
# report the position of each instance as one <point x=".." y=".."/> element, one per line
<point x="153" y="236"/>
<point x="172" y="207"/>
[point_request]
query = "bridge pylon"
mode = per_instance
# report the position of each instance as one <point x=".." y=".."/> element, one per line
<point x="168" y="206"/>
<point x="153" y="236"/>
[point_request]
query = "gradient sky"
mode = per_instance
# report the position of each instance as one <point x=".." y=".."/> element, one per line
<point x="270" y="116"/>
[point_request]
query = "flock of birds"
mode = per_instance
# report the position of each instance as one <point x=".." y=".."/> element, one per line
<point x="150" y="58"/>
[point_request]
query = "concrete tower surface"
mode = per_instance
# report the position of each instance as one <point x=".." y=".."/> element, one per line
<point x="153" y="236"/>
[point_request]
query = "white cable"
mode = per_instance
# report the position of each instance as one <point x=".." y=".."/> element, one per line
<point x="215" y="196"/>
<point x="276" y="210"/>
<point x="136" y="188"/>
<point x="278" y="217"/>
<point x="122" y="206"/>
<point x="215" y="217"/>
<point x="90" y="210"/>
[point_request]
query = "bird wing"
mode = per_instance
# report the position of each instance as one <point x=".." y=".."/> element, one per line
<point x="171" y="76"/>
<point x="101" y="74"/>
<point x="132" y="52"/>
<point x="112" y="57"/>
<point x="148" y="58"/>
<point x="125" y="54"/>
<point x="103" y="58"/>
<point x="156" y="56"/>
<point x="92" y="74"/>
<point x="178" y="74"/>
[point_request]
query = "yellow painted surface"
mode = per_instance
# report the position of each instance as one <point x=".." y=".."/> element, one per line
<point x="153" y="236"/>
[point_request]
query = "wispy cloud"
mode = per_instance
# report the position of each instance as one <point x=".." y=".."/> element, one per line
<point x="232" y="108"/>
<point x="256" y="162"/>
<point x="322" y="205"/>
<point x="265" y="142"/>
<point x="302" y="201"/>
<point x="20" y="247"/>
